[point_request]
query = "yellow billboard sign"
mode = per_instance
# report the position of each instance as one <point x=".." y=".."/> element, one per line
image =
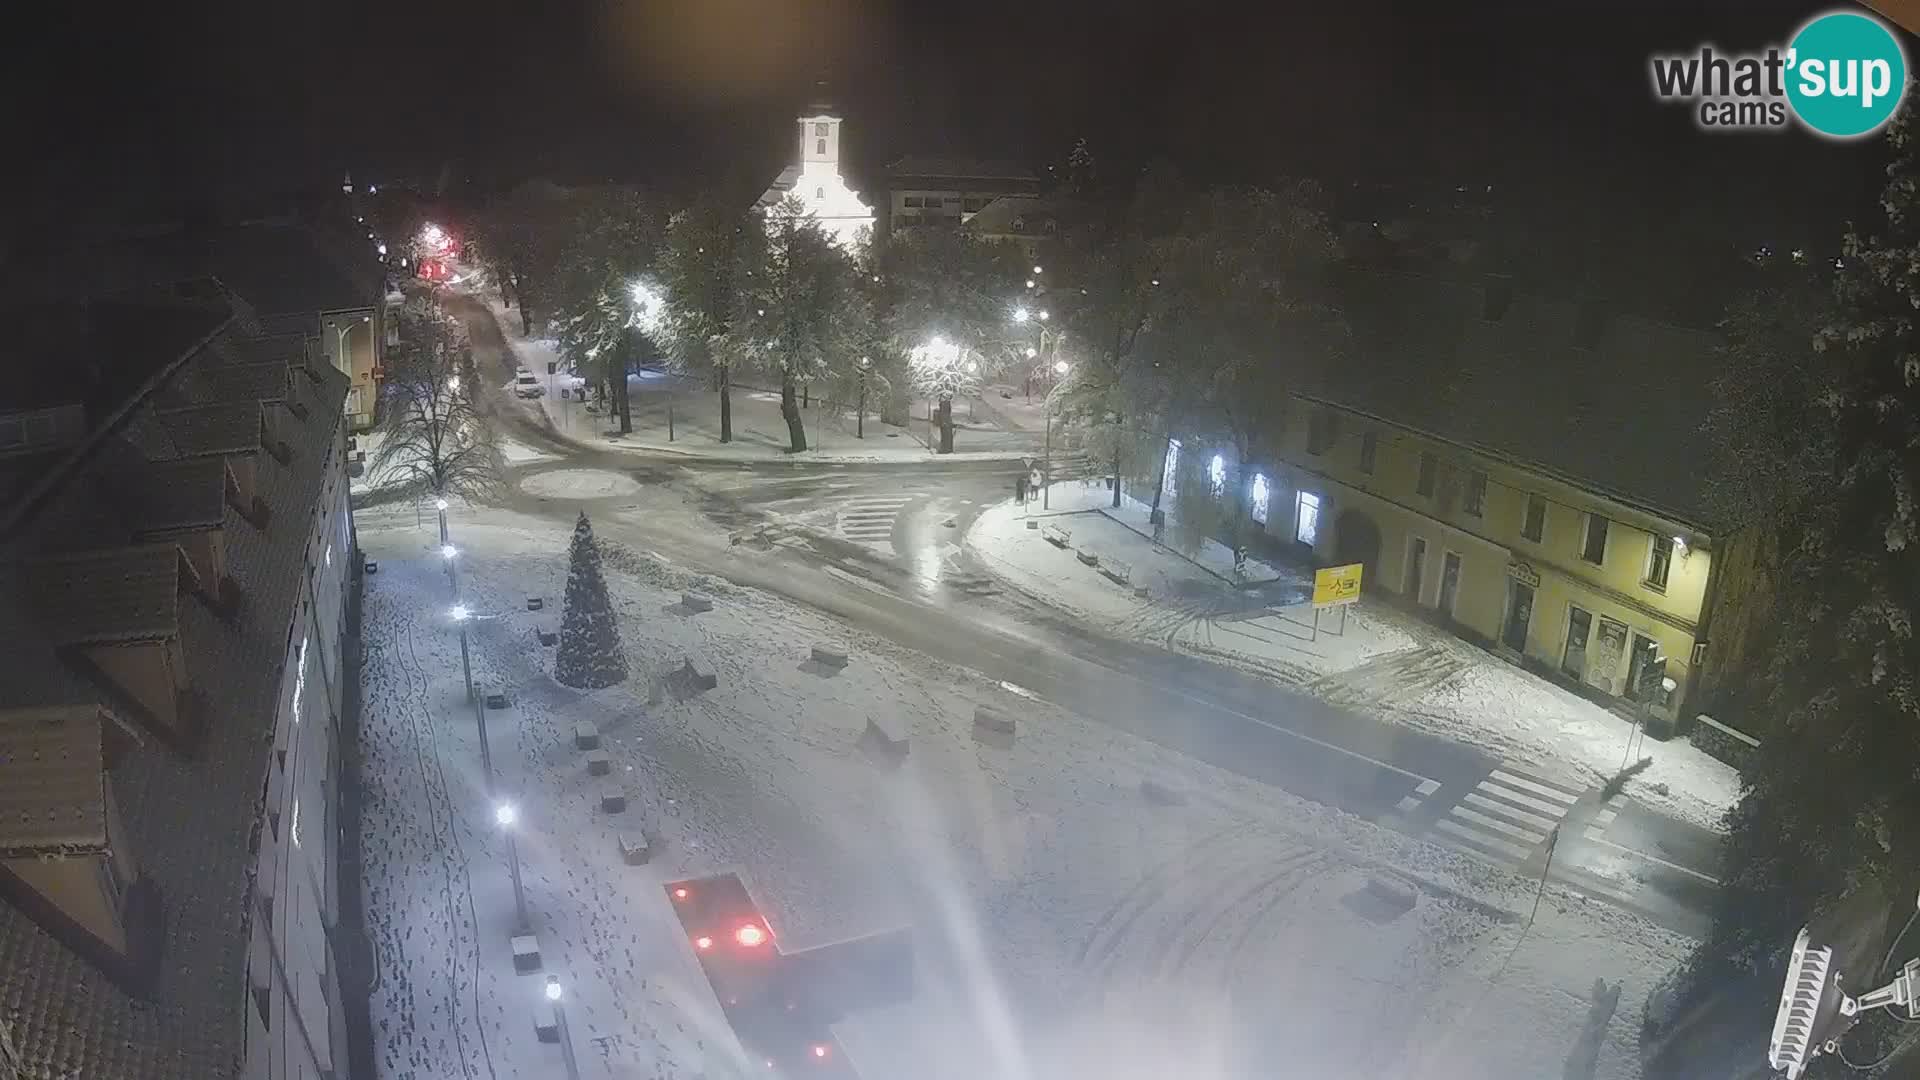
<point x="1336" y="585"/>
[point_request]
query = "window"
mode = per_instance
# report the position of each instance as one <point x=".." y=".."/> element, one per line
<point x="1321" y="428"/>
<point x="1260" y="495"/>
<point x="914" y="202"/>
<point x="820" y="129"/>
<point x="1429" y="470"/>
<point x="1534" y="525"/>
<point x="1217" y="476"/>
<point x="1306" y="519"/>
<point x="820" y="147"/>
<point x="1659" y="561"/>
<point x="819" y="193"/>
<point x="953" y="200"/>
<point x="1476" y="493"/>
<point x="1594" y="547"/>
<point x="1369" y="448"/>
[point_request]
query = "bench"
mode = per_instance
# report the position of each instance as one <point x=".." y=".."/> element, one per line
<point x="634" y="849"/>
<point x="830" y="655"/>
<point x="885" y="740"/>
<point x="599" y="763"/>
<point x="526" y="954"/>
<point x="613" y="800"/>
<point x="993" y="727"/>
<point x="1116" y="571"/>
<point x="1057" y="536"/>
<point x="535" y="603"/>
<point x="694" y="601"/>
<point x="496" y="700"/>
<point x="586" y="736"/>
<point x="691" y="678"/>
<point x="1087" y="558"/>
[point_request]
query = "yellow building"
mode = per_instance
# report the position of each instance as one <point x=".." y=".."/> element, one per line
<point x="1526" y="472"/>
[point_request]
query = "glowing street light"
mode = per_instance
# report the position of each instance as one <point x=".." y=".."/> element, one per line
<point x="1045" y="315"/>
<point x="1029" y="283"/>
<point x="1059" y="367"/>
<point x="504" y="815"/>
<point x="440" y="505"/>
<point x="1032" y="352"/>
<point x="453" y="383"/>
<point x="1021" y="314"/>
<point x="448" y="551"/>
<point x="560" y="1021"/>
<point x="460" y="613"/>
<point x="1036" y="270"/>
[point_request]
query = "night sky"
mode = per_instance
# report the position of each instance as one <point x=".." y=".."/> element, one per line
<point x="1547" y="101"/>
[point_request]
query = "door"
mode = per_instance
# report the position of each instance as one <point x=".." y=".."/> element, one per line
<point x="1519" y="615"/>
<point x="1449" y="581"/>
<point x="1416" y="568"/>
<point x="1644" y="650"/>
<point x="1574" y="660"/>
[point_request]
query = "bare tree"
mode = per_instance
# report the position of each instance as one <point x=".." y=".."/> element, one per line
<point x="433" y="440"/>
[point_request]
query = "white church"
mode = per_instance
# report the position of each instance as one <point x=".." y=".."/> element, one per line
<point x="816" y="180"/>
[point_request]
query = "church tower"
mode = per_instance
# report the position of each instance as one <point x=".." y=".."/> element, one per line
<point x="815" y="178"/>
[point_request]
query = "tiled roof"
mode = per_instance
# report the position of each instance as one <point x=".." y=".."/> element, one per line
<point x="105" y="351"/>
<point x="1617" y="408"/>
<point x="952" y="168"/>
<point x="190" y="836"/>
<point x="118" y="594"/>
<point x="782" y="184"/>
<point x="175" y="495"/>
<point x="52" y="784"/>
<point x="255" y="380"/>
<point x="230" y="428"/>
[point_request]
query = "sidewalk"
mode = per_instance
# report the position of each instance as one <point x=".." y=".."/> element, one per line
<point x="1375" y="658"/>
<point x="759" y="431"/>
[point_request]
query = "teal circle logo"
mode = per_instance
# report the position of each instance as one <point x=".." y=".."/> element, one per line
<point x="1846" y="74"/>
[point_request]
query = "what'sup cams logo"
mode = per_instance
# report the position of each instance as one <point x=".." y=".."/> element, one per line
<point x="1841" y="77"/>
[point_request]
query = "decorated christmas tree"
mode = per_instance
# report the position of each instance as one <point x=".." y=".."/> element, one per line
<point x="589" y="656"/>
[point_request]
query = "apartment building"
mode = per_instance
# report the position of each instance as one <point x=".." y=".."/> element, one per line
<point x="178" y="553"/>
<point x="1528" y="472"/>
<point x="949" y="191"/>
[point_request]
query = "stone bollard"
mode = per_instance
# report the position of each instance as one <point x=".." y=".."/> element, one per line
<point x="526" y="954"/>
<point x="885" y="740"/>
<point x="694" y="601"/>
<point x="586" y="736"/>
<point x="599" y="763"/>
<point x="993" y="727"/>
<point x="830" y="655"/>
<point x="634" y="849"/>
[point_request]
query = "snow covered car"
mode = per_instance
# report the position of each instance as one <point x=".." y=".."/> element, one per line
<point x="527" y="385"/>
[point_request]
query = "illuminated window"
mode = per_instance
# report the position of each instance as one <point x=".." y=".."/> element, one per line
<point x="1217" y="475"/>
<point x="1260" y="494"/>
<point x="1170" y="474"/>
<point x="820" y="129"/>
<point x="820" y="147"/>
<point x="1306" y="518"/>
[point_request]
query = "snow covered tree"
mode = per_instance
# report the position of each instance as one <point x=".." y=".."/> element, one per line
<point x="613" y="237"/>
<point x="589" y="655"/>
<point x="697" y="273"/>
<point x="953" y="301"/>
<point x="518" y="237"/>
<point x="434" y="439"/>
<point x="1830" y="800"/>
<point x="800" y="314"/>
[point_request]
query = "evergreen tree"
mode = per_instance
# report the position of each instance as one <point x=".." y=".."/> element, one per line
<point x="590" y="656"/>
<point x="1831" y="801"/>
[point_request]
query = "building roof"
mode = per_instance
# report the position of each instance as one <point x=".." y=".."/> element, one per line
<point x="1030" y="212"/>
<point x="253" y="380"/>
<point x="957" y="168"/>
<point x="163" y="496"/>
<point x="190" y="821"/>
<point x="777" y="190"/>
<point x="1610" y="401"/>
<point x="279" y="268"/>
<point x="53" y="798"/>
<point x="108" y="595"/>
<point x="98" y="353"/>
<point x="229" y="427"/>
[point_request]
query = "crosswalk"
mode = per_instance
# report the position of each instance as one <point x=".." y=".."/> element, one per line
<point x="1509" y="814"/>
<point x="868" y="519"/>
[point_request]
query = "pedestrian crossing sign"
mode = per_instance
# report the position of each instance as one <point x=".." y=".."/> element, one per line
<point x="1336" y="585"/>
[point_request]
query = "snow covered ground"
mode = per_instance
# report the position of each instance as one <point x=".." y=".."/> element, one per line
<point x="1381" y="660"/>
<point x="1064" y="925"/>
<point x="759" y="431"/>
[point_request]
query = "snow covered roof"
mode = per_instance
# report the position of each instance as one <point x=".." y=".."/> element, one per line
<point x="118" y="594"/>
<point x="190" y="834"/>
<point x="777" y="190"/>
<point x="226" y="428"/>
<point x="53" y="796"/>
<point x="172" y="495"/>
<point x="1610" y="401"/>
<point x="955" y="169"/>
<point x="256" y="380"/>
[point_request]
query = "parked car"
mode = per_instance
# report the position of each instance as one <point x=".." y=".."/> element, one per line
<point x="527" y="385"/>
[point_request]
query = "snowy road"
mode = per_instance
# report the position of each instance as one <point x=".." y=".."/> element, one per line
<point x="808" y="532"/>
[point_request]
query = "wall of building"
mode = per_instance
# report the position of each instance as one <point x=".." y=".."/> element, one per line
<point x="294" y="976"/>
<point x="1478" y="512"/>
<point x="351" y="342"/>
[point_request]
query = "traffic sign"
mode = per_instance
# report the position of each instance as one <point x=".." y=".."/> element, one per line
<point x="1334" y="586"/>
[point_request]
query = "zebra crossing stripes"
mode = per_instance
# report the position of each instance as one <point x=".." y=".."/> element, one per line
<point x="868" y="519"/>
<point x="1509" y="814"/>
<point x="1409" y="803"/>
<point x="1597" y="828"/>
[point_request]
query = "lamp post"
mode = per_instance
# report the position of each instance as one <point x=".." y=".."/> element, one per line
<point x="554" y="994"/>
<point x="860" y="417"/>
<point x="504" y="815"/>
<point x="460" y="616"/>
<point x="1046" y="477"/>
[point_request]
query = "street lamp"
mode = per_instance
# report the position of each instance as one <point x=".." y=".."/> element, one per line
<point x="1021" y="314"/>
<point x="1060" y="367"/>
<point x="1036" y="271"/>
<point x="860" y="417"/>
<point x="504" y="815"/>
<point x="554" y="994"/>
<point x="461" y="614"/>
<point x="1815" y="1012"/>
